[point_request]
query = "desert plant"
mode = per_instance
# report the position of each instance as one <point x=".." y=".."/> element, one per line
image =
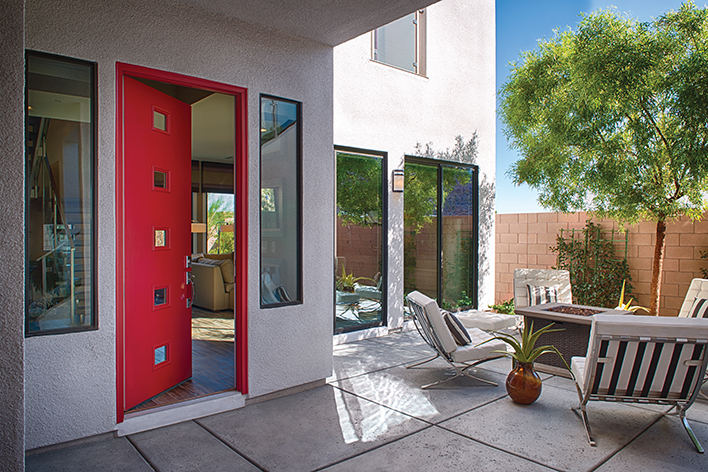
<point x="524" y="350"/>
<point x="621" y="305"/>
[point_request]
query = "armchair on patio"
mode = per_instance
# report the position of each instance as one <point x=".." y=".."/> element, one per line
<point x="546" y="284"/>
<point x="695" y="305"/>
<point x="643" y="359"/>
<point x="462" y="351"/>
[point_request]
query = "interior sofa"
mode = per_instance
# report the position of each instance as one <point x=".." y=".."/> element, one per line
<point x="213" y="278"/>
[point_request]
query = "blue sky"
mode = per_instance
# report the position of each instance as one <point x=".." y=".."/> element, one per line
<point x="520" y="24"/>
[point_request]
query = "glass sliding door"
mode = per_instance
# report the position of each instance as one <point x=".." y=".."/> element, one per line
<point x="441" y="228"/>
<point x="459" y="237"/>
<point x="359" y="278"/>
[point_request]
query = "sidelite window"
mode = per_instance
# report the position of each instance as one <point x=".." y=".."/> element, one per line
<point x="281" y="274"/>
<point x="60" y="234"/>
<point x="401" y="43"/>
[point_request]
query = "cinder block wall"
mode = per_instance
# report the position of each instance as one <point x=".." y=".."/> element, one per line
<point x="525" y="239"/>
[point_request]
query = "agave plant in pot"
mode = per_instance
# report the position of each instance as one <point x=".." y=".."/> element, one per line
<point x="523" y="383"/>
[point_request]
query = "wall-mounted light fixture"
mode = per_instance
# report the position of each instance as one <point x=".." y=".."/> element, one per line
<point x="398" y="178"/>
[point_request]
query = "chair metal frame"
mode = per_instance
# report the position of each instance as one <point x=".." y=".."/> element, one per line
<point x="601" y="362"/>
<point x="431" y="338"/>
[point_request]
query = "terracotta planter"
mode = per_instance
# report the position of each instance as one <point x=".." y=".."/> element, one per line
<point x="523" y="384"/>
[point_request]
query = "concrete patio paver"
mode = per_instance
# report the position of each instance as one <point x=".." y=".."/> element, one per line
<point x="106" y="453"/>
<point x="398" y="388"/>
<point x="373" y="415"/>
<point x="436" y="449"/>
<point x="309" y="430"/>
<point x="549" y="432"/>
<point x="664" y="446"/>
<point x="188" y="446"/>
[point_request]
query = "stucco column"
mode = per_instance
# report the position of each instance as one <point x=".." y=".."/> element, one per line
<point x="12" y="427"/>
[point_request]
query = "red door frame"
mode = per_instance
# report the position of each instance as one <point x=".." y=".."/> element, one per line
<point x="241" y="216"/>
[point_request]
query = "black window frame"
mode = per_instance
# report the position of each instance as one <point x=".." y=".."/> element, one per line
<point x="298" y="299"/>
<point x="385" y="186"/>
<point x="440" y="164"/>
<point x="94" y="325"/>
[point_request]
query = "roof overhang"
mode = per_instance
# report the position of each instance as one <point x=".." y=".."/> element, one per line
<point x="331" y="22"/>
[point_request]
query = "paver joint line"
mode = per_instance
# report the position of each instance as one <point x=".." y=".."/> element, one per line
<point x="137" y="449"/>
<point x="253" y="462"/>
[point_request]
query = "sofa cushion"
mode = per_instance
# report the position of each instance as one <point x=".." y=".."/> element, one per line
<point x="214" y="262"/>
<point x="227" y="270"/>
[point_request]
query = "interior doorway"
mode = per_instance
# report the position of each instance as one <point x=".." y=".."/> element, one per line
<point x="181" y="307"/>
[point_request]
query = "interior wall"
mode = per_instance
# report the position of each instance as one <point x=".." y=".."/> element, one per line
<point x="385" y="109"/>
<point x="71" y="378"/>
<point x="12" y="82"/>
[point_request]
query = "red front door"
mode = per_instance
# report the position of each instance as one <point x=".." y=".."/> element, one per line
<point x="157" y="238"/>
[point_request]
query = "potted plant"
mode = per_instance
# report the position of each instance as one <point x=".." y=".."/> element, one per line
<point x="523" y="383"/>
<point x="345" y="282"/>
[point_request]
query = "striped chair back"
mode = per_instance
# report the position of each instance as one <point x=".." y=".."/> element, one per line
<point x="642" y="358"/>
<point x="556" y="279"/>
<point x="696" y="302"/>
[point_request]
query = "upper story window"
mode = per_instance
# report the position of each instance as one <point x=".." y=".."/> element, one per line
<point x="401" y="43"/>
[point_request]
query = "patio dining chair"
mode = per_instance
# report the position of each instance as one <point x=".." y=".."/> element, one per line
<point x="643" y="359"/>
<point x="460" y="351"/>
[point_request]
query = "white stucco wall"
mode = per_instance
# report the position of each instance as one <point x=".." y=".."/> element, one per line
<point x="12" y="235"/>
<point x="71" y="379"/>
<point x="381" y="108"/>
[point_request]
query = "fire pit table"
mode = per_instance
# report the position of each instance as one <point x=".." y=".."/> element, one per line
<point x="575" y="322"/>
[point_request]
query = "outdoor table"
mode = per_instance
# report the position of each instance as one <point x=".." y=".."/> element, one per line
<point x="572" y="341"/>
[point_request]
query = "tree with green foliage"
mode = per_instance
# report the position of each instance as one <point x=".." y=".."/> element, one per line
<point x="612" y="118"/>
<point x="220" y="212"/>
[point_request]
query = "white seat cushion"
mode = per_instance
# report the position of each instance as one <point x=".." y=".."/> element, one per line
<point x="577" y="366"/>
<point x="473" y="352"/>
<point x="486" y="321"/>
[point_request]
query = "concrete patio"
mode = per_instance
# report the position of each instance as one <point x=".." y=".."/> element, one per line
<point x="372" y="415"/>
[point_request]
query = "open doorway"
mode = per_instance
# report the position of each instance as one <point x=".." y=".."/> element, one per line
<point x="180" y="339"/>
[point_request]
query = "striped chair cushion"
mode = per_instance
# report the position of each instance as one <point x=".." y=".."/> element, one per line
<point x="629" y="368"/>
<point x="699" y="308"/>
<point x="540" y="295"/>
<point x="457" y="329"/>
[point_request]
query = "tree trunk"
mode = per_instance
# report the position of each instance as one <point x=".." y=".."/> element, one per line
<point x="658" y="267"/>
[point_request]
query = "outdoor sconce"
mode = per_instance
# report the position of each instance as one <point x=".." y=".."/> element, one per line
<point x="398" y="178"/>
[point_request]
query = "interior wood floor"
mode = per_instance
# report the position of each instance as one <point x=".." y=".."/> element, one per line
<point x="212" y="360"/>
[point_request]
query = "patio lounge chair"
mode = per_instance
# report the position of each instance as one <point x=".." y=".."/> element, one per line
<point x="558" y="281"/>
<point x="643" y="359"/>
<point x="434" y="330"/>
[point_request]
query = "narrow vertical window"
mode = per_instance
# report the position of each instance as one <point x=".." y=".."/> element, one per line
<point x="360" y="280"/>
<point x="401" y="43"/>
<point x="280" y="212"/>
<point x="60" y="169"/>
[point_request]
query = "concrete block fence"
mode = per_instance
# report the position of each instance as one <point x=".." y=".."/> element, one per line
<point x="525" y="239"/>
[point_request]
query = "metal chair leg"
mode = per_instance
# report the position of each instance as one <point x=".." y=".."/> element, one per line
<point x="691" y="434"/>
<point x="583" y="415"/>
